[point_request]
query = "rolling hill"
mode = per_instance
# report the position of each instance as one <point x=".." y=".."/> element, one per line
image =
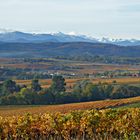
<point x="51" y="49"/>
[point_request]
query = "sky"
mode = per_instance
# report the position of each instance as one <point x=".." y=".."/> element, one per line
<point x="97" y="18"/>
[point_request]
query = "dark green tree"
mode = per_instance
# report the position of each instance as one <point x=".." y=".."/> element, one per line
<point x="35" y="86"/>
<point x="57" y="86"/>
<point x="9" y="87"/>
<point x="83" y="90"/>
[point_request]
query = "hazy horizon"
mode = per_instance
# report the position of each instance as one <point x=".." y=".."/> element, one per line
<point x="96" y="18"/>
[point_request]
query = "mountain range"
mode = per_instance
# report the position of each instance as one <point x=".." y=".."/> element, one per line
<point x="53" y="49"/>
<point x="21" y="37"/>
<point x="22" y="45"/>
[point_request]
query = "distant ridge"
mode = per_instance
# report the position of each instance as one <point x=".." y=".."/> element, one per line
<point x="52" y="49"/>
<point x="21" y="37"/>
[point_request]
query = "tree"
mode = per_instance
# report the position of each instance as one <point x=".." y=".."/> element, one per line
<point x="28" y="95"/>
<point x="9" y="87"/>
<point x="83" y="90"/>
<point x="57" y="86"/>
<point x="105" y="90"/>
<point x="96" y="94"/>
<point x="125" y="91"/>
<point x="35" y="86"/>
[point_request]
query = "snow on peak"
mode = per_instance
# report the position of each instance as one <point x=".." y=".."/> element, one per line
<point x="72" y="33"/>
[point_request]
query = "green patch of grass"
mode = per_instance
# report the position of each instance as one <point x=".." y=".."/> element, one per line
<point x="134" y="105"/>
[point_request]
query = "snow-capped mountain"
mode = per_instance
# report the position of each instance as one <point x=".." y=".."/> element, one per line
<point x="122" y="42"/>
<point x="16" y="36"/>
<point x="29" y="37"/>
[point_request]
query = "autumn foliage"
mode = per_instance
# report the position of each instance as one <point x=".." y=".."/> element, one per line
<point x="86" y="125"/>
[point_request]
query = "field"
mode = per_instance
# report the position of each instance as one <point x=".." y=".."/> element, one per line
<point x="77" y="125"/>
<point x="71" y="82"/>
<point x="21" y="110"/>
<point x="133" y="105"/>
<point x="65" y="66"/>
<point x="73" y="71"/>
<point x="96" y="120"/>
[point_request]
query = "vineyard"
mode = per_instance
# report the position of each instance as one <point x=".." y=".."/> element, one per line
<point x="77" y="125"/>
<point x="65" y="108"/>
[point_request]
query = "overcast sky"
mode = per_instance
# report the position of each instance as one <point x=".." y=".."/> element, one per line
<point x="98" y="18"/>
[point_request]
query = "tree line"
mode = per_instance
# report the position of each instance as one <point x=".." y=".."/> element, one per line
<point x="14" y="94"/>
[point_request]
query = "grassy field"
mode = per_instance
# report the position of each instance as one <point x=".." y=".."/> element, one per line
<point x="21" y="110"/>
